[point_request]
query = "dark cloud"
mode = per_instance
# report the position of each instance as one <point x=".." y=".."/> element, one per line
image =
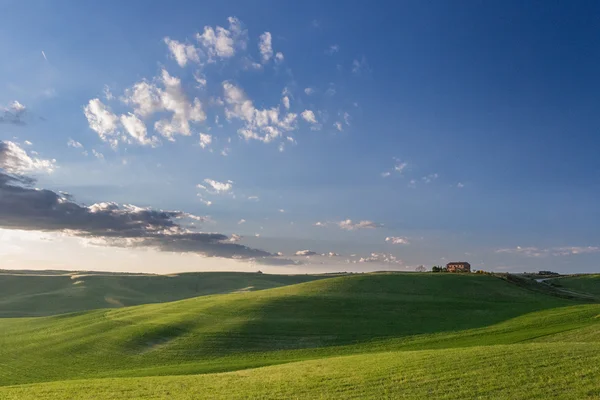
<point x="23" y="207"/>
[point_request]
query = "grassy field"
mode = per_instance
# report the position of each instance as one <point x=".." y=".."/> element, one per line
<point x="581" y="283"/>
<point x="38" y="293"/>
<point x="362" y="336"/>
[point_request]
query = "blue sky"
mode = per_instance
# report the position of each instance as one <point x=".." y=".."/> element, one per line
<point x="456" y="131"/>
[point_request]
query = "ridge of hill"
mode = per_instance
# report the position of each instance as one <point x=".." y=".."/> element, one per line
<point x="27" y="294"/>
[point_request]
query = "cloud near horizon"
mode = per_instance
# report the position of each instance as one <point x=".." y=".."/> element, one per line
<point x="23" y="207"/>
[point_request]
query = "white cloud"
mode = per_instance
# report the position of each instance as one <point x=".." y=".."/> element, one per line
<point x="385" y="174"/>
<point x="306" y="253"/>
<point x="279" y="57"/>
<point x="400" y="167"/>
<point x="347" y="118"/>
<point x="148" y="99"/>
<point x="219" y="187"/>
<point x="74" y="144"/>
<point x="265" y="47"/>
<point x="381" y="258"/>
<point x="430" y="178"/>
<point x="551" y="251"/>
<point x="334" y="48"/>
<point x="338" y="126"/>
<point x="286" y="102"/>
<point x="350" y="226"/>
<point x="200" y="79"/>
<point x="221" y="42"/>
<point x="234" y="238"/>
<point x="359" y="66"/>
<point x="264" y="125"/>
<point x="137" y="130"/>
<point x="108" y="96"/>
<point x="241" y="221"/>
<point x="460" y="185"/>
<point x="44" y="55"/>
<point x="309" y="116"/>
<point x="182" y="53"/>
<point x="319" y="223"/>
<point x="253" y="198"/>
<point x="309" y="91"/>
<point x="97" y="154"/>
<point x="281" y="210"/>
<point x="27" y="143"/>
<point x="15" y="160"/>
<point x="101" y="119"/>
<point x="397" y="240"/>
<point x="204" y="201"/>
<point x="205" y="140"/>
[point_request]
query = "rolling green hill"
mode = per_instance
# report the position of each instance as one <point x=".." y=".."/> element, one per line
<point x="581" y="283"/>
<point x="371" y="335"/>
<point x="31" y="293"/>
<point x="325" y="317"/>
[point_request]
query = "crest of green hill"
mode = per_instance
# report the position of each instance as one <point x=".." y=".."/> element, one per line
<point x="322" y="318"/>
<point x="39" y="293"/>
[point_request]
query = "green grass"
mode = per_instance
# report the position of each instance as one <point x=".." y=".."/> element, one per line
<point x="581" y="283"/>
<point x="361" y="336"/>
<point x="527" y="371"/>
<point x="31" y="293"/>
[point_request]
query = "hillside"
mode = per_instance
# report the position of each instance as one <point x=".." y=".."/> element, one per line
<point x="589" y="284"/>
<point x="331" y="317"/>
<point x="31" y="293"/>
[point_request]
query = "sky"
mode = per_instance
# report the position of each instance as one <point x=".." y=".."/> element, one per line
<point x="299" y="137"/>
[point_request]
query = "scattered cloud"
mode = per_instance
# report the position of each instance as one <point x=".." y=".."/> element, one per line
<point x="385" y="174"/>
<point x="15" y="160"/>
<point x="44" y="55"/>
<point x="205" y="140"/>
<point x="338" y="126"/>
<point x="222" y="43"/>
<point x="400" y="167"/>
<point x="334" y="48"/>
<point x="75" y="144"/>
<point x="13" y="114"/>
<point x="253" y="198"/>
<point x="217" y="187"/>
<point x="264" y="125"/>
<point x="265" y="47"/>
<point x="309" y="116"/>
<point x="181" y="52"/>
<point x="430" y="178"/>
<point x="108" y="96"/>
<point x="286" y="102"/>
<point x="360" y="66"/>
<point x="350" y="226"/>
<point x="102" y="120"/>
<point x="97" y="154"/>
<point x="137" y="130"/>
<point x="460" y="185"/>
<point x="306" y="253"/>
<point x="309" y="91"/>
<point x="381" y="258"/>
<point x="241" y="221"/>
<point x="279" y="57"/>
<point x="27" y="143"/>
<point x="397" y="240"/>
<point x="551" y="251"/>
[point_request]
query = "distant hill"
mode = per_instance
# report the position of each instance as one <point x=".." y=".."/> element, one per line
<point x="39" y="293"/>
<point x="589" y="284"/>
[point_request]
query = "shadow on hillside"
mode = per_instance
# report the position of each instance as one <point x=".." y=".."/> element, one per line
<point x="373" y="307"/>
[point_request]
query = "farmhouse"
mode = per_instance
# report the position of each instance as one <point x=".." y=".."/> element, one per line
<point x="458" y="267"/>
